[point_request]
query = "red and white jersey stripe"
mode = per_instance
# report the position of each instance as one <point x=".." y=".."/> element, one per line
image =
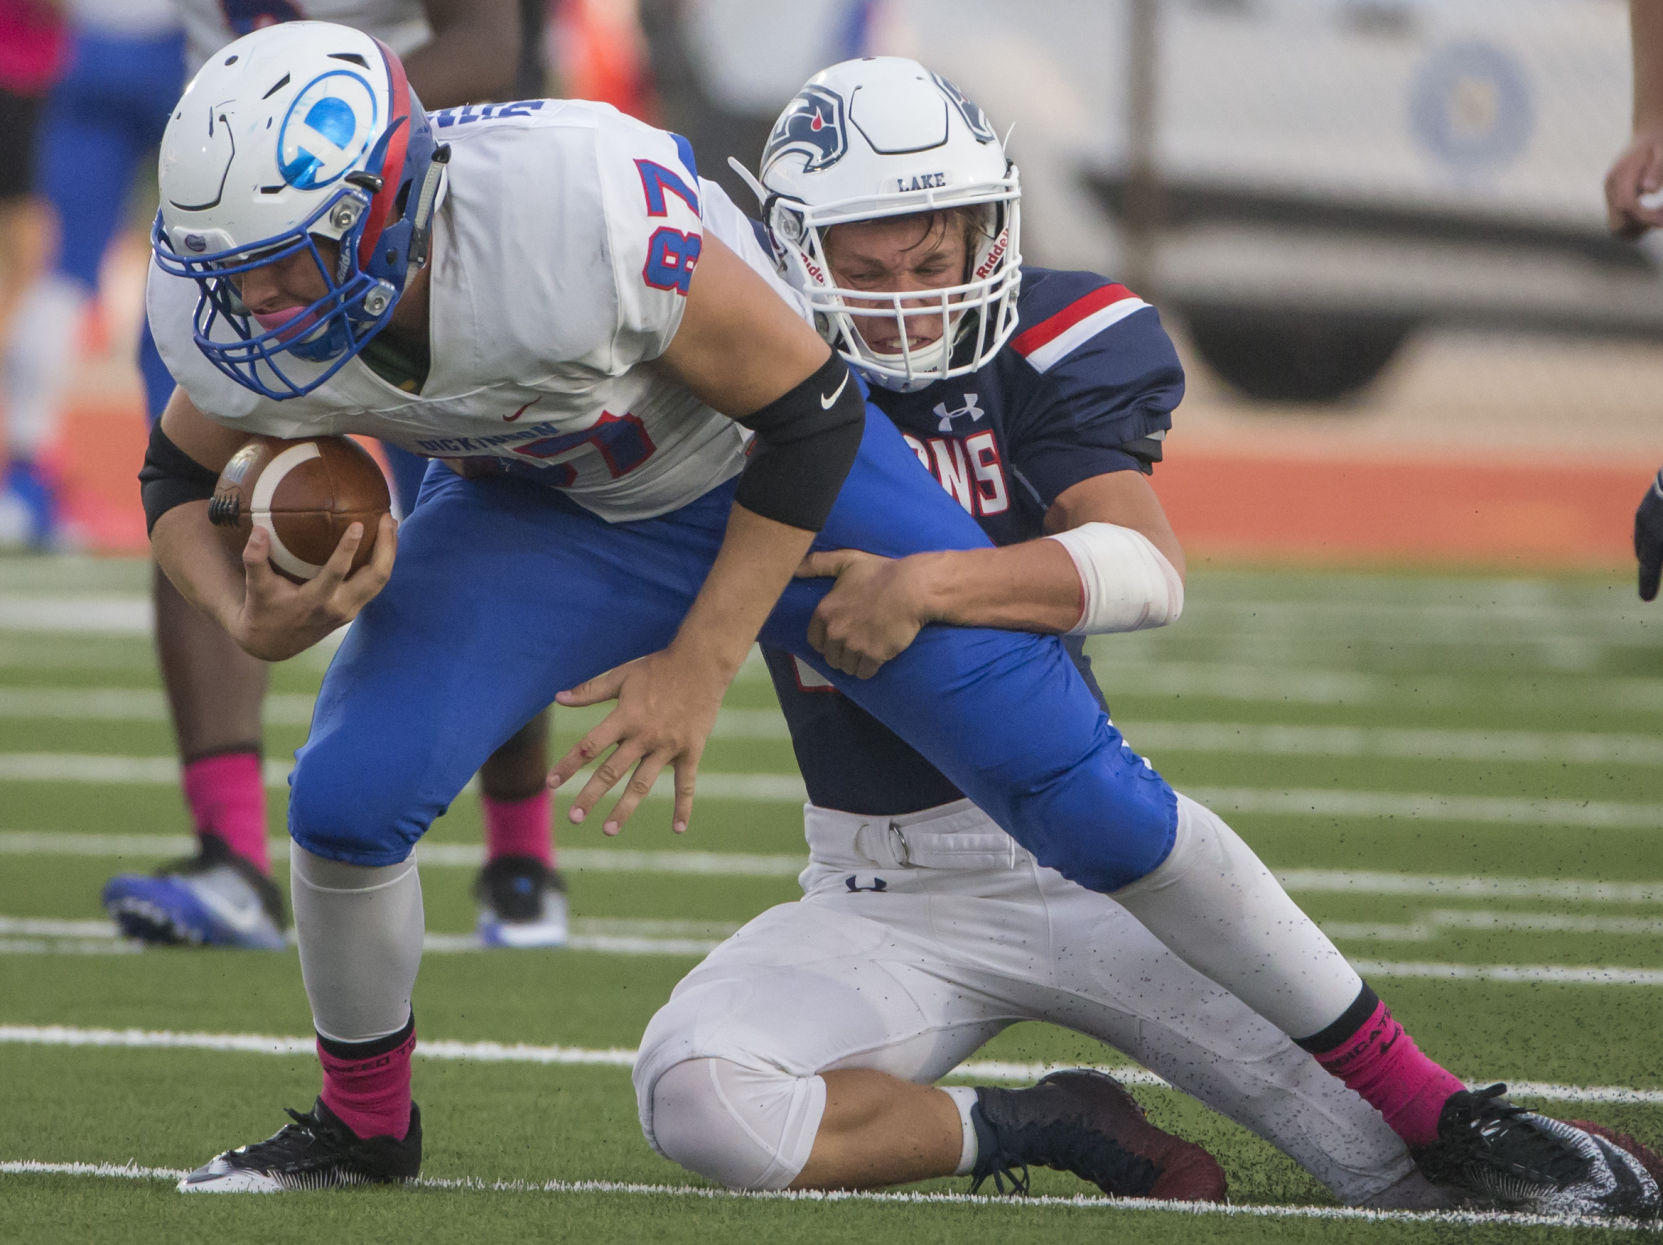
<point x="1057" y="336"/>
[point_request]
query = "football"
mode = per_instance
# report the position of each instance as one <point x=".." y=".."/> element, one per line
<point x="305" y="493"/>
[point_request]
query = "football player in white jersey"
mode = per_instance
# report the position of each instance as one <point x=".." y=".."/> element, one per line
<point x="648" y="440"/>
<point x="223" y="895"/>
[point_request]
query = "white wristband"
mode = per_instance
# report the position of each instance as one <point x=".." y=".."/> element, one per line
<point x="1127" y="583"/>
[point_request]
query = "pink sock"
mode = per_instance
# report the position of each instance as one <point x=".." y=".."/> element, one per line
<point x="227" y="797"/>
<point x="368" y="1084"/>
<point x="1382" y="1063"/>
<point x="520" y="827"/>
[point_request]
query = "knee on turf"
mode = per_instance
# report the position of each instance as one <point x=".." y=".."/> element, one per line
<point x="745" y="1128"/>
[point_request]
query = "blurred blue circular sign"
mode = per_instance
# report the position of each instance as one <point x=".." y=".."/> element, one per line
<point x="1470" y="106"/>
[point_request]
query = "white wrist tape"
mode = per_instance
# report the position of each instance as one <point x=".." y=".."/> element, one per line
<point x="1128" y="583"/>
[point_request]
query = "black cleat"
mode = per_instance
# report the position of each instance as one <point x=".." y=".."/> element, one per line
<point x="1084" y="1122"/>
<point x="1499" y="1155"/>
<point x="522" y="903"/>
<point x="317" y="1151"/>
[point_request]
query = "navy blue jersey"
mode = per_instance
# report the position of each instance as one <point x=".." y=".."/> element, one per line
<point x="1085" y="388"/>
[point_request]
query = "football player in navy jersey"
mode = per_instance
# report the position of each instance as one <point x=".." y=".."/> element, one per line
<point x="802" y="1052"/>
<point x="331" y="259"/>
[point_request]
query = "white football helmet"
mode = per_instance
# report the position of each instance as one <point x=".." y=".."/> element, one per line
<point x="298" y="132"/>
<point x="883" y="136"/>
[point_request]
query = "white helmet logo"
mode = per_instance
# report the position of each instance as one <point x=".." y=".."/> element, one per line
<point x="326" y="130"/>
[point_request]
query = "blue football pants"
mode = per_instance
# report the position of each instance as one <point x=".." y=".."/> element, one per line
<point x="506" y="592"/>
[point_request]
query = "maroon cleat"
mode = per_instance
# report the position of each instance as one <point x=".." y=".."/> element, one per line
<point x="1648" y="1158"/>
<point x="1085" y="1122"/>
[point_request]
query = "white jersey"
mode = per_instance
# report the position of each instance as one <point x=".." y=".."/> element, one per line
<point x="549" y="289"/>
<point x="211" y="24"/>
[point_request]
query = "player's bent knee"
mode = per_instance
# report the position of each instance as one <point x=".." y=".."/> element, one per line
<point x="744" y="1128"/>
<point x="1106" y="863"/>
<point x="1102" y="822"/>
<point x="1105" y="871"/>
<point x="345" y="812"/>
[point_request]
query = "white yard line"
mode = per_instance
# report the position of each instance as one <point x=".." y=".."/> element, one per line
<point x="149" y="847"/>
<point x="75" y="1036"/>
<point x="1015" y="1205"/>
<point x="1402" y="809"/>
<point x="744" y="864"/>
<point x="1438" y="922"/>
<point x="151" y="771"/>
<point x="49" y="936"/>
<point x="112" y="704"/>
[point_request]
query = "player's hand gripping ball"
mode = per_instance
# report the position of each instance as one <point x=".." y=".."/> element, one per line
<point x="305" y="493"/>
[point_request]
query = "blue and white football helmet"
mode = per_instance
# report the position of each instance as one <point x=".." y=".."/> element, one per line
<point x="298" y="132"/>
<point x="883" y="136"/>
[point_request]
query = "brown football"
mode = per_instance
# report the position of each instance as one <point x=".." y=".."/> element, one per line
<point x="305" y="493"/>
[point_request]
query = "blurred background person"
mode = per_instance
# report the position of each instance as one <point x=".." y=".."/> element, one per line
<point x="31" y="54"/>
<point x="102" y="121"/>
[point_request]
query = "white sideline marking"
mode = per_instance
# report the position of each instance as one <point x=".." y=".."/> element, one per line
<point x="441" y="855"/>
<point x="89" y="767"/>
<point x="1376" y="882"/>
<point x="114" y="704"/>
<point x="628" y="936"/>
<point x="624" y="944"/>
<point x="1277" y="682"/>
<point x="130" y="704"/>
<point x="49" y="936"/>
<point x="618" y="1057"/>
<point x="747" y="864"/>
<point x="30" y="936"/>
<point x="1399" y="743"/>
<point x="1532" y="974"/>
<point x="1360" y="604"/>
<point x="1433" y="924"/>
<point x="1021" y="1205"/>
<point x="1405" y="807"/>
<point x="116" y="615"/>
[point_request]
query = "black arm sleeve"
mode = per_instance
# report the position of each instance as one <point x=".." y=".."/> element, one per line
<point x="806" y="441"/>
<point x="170" y="477"/>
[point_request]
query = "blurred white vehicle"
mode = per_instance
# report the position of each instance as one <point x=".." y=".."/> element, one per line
<point x="1317" y="178"/>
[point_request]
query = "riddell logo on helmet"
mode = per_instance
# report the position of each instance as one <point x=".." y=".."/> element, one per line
<point x="1000" y="246"/>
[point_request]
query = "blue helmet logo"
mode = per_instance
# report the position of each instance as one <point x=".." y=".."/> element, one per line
<point x="973" y="116"/>
<point x="326" y="131"/>
<point x="813" y="126"/>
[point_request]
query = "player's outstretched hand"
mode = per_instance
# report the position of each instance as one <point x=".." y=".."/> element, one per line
<point x="872" y="612"/>
<point x="667" y="707"/>
<point x="280" y="618"/>
<point x="1648" y="537"/>
<point x="1631" y="206"/>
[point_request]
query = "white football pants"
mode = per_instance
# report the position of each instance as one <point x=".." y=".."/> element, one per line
<point x="917" y="940"/>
